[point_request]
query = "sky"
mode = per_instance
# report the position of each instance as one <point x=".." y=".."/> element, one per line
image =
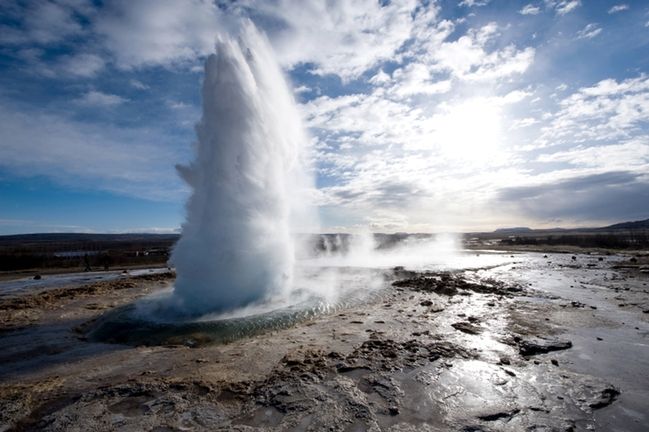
<point x="424" y="116"/>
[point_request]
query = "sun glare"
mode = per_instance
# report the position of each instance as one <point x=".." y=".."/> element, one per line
<point x="470" y="130"/>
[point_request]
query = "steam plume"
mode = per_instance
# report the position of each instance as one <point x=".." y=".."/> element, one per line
<point x="249" y="180"/>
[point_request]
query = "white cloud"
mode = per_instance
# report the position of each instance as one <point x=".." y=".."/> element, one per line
<point x="99" y="99"/>
<point x="611" y="87"/>
<point x="618" y="8"/>
<point x="380" y="78"/>
<point x="67" y="66"/>
<point x="138" y="84"/>
<point x="390" y="154"/>
<point x="524" y="122"/>
<point x="416" y="144"/>
<point x="467" y="57"/>
<point x="177" y="105"/>
<point x="563" y="7"/>
<point x="590" y="31"/>
<point x="471" y="3"/>
<point x="414" y="79"/>
<point x="530" y="9"/>
<point x="404" y="166"/>
<point x="606" y="111"/>
<point x="158" y="32"/>
<point x="339" y="37"/>
<point x="342" y="38"/>
<point x="81" y="65"/>
<point x="302" y="89"/>
<point x="387" y="221"/>
<point x="44" y="22"/>
<point x="632" y="155"/>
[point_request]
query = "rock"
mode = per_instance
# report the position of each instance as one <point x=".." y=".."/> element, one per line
<point x="426" y="303"/>
<point x="425" y="332"/>
<point x="428" y="284"/>
<point x="37" y="277"/>
<point x="554" y="362"/>
<point x="499" y="415"/>
<point x="467" y="327"/>
<point x="606" y="398"/>
<point x="540" y="346"/>
<point x="451" y="284"/>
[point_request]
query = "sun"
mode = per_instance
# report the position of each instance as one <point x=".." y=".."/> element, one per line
<point x="470" y="130"/>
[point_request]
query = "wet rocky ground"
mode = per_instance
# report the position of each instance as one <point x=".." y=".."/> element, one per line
<point x="543" y="342"/>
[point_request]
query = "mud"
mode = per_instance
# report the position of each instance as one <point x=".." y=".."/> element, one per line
<point x="511" y="348"/>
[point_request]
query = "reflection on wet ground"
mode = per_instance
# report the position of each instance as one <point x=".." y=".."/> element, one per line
<point x="14" y="286"/>
<point x="601" y="309"/>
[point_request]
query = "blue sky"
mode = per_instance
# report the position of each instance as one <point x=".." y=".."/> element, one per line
<point x="424" y="116"/>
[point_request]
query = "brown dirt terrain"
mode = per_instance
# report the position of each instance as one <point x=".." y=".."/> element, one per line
<point x="497" y="350"/>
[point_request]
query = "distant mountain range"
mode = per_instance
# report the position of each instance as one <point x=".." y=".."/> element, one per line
<point x="641" y="224"/>
<point x="634" y="225"/>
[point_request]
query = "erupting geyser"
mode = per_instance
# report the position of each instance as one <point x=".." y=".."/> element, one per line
<point x="249" y="181"/>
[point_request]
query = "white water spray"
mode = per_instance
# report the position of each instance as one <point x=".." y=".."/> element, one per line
<point x="249" y="182"/>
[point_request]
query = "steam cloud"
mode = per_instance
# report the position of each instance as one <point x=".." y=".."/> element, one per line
<point x="249" y="182"/>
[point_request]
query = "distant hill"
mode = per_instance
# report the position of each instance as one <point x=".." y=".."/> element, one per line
<point x="623" y="235"/>
<point x="641" y="224"/>
<point x="45" y="238"/>
<point x="635" y="225"/>
<point x="514" y="230"/>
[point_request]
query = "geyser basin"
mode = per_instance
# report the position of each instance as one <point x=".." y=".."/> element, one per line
<point x="324" y="285"/>
<point x="319" y="290"/>
<point x="125" y="327"/>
